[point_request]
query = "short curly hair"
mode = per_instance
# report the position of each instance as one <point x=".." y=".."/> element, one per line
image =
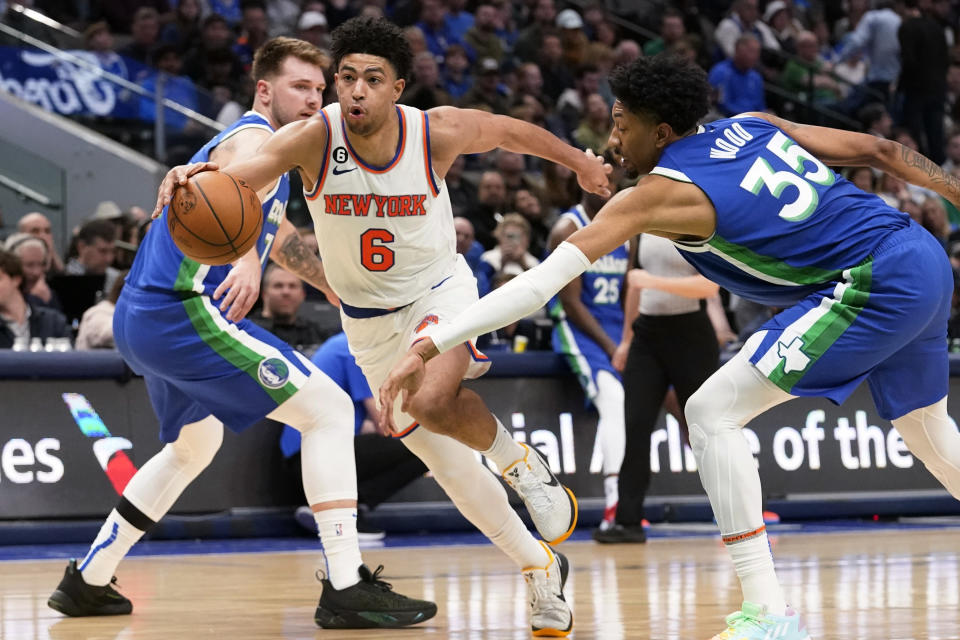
<point x="376" y="37"/>
<point x="666" y="88"/>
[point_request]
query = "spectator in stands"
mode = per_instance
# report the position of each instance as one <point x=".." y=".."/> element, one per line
<point x="20" y="321"/>
<point x="462" y="192"/>
<point x="778" y="15"/>
<point x="457" y="79"/>
<point x="471" y="250"/>
<point x="953" y="152"/>
<point x="560" y="188"/>
<point x="556" y="76"/>
<point x="37" y="224"/>
<point x="808" y="71"/>
<point x="34" y="258"/>
<point x="738" y="85"/>
<point x="459" y="20"/>
<point x="96" y="325"/>
<point x="211" y="58"/>
<point x="529" y="83"/>
<point x="436" y="31"/>
<point x="672" y="31"/>
<point x="511" y="255"/>
<point x="527" y="204"/>
<point x="876" y="120"/>
<point x="572" y="38"/>
<point x="876" y="36"/>
<point x="606" y="35"/>
<point x="488" y="207"/>
<point x="179" y="88"/>
<point x="487" y="92"/>
<point x="99" y="41"/>
<point x="384" y="464"/>
<point x="482" y="37"/>
<point x="254" y="31"/>
<point x="184" y="29"/>
<point x="953" y="94"/>
<point x="512" y="168"/>
<point x="743" y="20"/>
<point x="312" y="27"/>
<point x="416" y="39"/>
<point x="95" y="252"/>
<point x="231" y="10"/>
<point x="572" y="102"/>
<point x="933" y="218"/>
<point x="923" y="77"/>
<point x="530" y="40"/>
<point x="425" y="90"/>
<point x="862" y="178"/>
<point x="595" y="125"/>
<point x="626" y="52"/>
<point x="282" y="295"/>
<point x="146" y="33"/>
<point x="856" y="9"/>
<point x="119" y="13"/>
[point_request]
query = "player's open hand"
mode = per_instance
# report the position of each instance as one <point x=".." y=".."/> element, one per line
<point x="241" y="286"/>
<point x="406" y="376"/>
<point x="176" y="177"/>
<point x="592" y="174"/>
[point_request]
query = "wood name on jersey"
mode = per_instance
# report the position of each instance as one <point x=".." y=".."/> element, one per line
<point x="347" y="204"/>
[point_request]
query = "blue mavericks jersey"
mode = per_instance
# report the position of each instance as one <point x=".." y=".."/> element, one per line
<point x="786" y="223"/>
<point x="602" y="283"/>
<point x="160" y="266"/>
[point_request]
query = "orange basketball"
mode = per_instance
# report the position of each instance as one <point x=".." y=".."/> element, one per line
<point x="214" y="218"/>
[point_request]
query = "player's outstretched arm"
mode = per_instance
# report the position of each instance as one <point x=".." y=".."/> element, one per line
<point x="850" y="149"/>
<point x="286" y="149"/>
<point x="455" y="131"/>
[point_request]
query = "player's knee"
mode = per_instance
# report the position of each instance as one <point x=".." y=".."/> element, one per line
<point x="434" y="409"/>
<point x="198" y="443"/>
<point x="703" y="416"/>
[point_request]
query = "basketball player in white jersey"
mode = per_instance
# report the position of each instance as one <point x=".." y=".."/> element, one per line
<point x="373" y="174"/>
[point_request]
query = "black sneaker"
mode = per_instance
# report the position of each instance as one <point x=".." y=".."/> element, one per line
<point x="366" y="532"/>
<point x="369" y="603"/>
<point x="619" y="534"/>
<point x="74" y="597"/>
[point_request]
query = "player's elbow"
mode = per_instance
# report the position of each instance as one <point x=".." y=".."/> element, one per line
<point x="883" y="153"/>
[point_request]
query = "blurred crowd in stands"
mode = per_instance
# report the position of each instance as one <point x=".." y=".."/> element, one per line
<point x="891" y="69"/>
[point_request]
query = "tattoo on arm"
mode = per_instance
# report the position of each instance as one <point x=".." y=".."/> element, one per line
<point x="936" y="175"/>
<point x="299" y="259"/>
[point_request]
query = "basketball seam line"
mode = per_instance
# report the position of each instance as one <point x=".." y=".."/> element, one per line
<point x="217" y="218"/>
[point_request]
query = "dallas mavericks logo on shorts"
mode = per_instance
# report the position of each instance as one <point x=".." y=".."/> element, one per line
<point x="273" y="373"/>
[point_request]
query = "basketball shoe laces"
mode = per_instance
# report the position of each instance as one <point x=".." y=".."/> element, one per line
<point x="530" y="487"/>
<point x="542" y="596"/>
<point x="738" y="622"/>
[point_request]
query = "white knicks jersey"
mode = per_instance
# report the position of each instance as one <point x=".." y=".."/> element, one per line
<point x="385" y="233"/>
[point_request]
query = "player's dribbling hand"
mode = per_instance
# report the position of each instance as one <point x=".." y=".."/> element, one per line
<point x="241" y="286"/>
<point x="592" y="174"/>
<point x="406" y="376"/>
<point x="176" y="177"/>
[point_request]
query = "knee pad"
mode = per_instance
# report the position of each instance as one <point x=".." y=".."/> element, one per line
<point x="198" y="443"/>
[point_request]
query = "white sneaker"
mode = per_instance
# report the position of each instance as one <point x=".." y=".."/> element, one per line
<point x="550" y="615"/>
<point x="552" y="507"/>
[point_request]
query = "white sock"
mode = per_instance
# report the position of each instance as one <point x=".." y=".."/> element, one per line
<point x="108" y="549"/>
<point x="754" y="564"/>
<point x="515" y="540"/>
<point x="505" y="450"/>
<point x="338" y="535"/>
<point x="610" y="490"/>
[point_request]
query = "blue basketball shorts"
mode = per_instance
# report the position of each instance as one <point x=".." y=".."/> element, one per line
<point x="885" y="321"/>
<point x="585" y="357"/>
<point x="196" y="363"/>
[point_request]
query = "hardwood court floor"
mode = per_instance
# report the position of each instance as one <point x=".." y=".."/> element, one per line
<point x="878" y="585"/>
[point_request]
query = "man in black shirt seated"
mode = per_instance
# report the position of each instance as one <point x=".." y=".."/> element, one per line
<point x="282" y="294"/>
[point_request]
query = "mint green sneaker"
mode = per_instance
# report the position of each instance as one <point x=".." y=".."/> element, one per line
<point x="754" y="623"/>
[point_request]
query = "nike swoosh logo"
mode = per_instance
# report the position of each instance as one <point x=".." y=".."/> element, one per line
<point x="553" y="481"/>
<point x="337" y="171"/>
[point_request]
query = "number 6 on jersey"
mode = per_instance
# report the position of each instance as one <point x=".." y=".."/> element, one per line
<point x="373" y="254"/>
